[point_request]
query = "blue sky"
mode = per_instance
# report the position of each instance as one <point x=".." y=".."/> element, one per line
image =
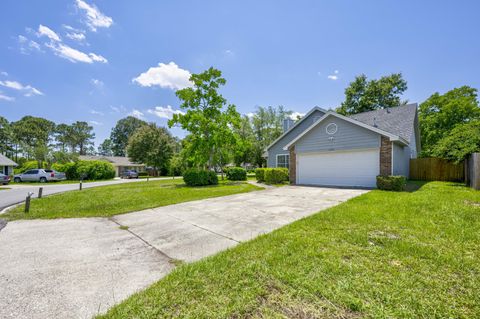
<point x="99" y="60"/>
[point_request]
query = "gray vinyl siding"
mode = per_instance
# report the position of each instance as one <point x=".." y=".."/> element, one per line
<point x="293" y="133"/>
<point x="401" y="159"/>
<point x="348" y="136"/>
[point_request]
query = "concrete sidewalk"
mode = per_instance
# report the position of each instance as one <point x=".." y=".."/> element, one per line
<point x="76" y="268"/>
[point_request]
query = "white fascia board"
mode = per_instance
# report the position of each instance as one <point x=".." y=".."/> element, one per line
<point x="392" y="137"/>
<point x="316" y="108"/>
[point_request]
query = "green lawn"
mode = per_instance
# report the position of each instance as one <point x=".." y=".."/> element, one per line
<point x="59" y="182"/>
<point x="380" y="255"/>
<point x="122" y="198"/>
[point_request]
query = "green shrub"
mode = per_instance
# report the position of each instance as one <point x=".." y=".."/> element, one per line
<point x="236" y="174"/>
<point x="391" y="183"/>
<point x="70" y="170"/>
<point x="276" y="175"/>
<point x="144" y="173"/>
<point x="260" y="174"/>
<point x="199" y="177"/>
<point x="91" y="170"/>
<point x="27" y="165"/>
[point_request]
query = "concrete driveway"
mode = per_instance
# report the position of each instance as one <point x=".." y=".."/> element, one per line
<point x="76" y="268"/>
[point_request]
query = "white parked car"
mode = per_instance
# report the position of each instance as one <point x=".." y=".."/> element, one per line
<point x="39" y="175"/>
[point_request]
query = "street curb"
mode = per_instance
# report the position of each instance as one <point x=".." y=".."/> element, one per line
<point x="6" y="209"/>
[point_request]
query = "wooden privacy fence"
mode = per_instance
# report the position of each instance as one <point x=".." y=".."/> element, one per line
<point x="472" y="171"/>
<point x="436" y="169"/>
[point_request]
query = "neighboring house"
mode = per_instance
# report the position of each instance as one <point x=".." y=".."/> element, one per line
<point x="120" y="163"/>
<point x="6" y="165"/>
<point x="326" y="148"/>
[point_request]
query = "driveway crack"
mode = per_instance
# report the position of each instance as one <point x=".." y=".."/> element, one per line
<point x="203" y="228"/>
<point x="170" y="259"/>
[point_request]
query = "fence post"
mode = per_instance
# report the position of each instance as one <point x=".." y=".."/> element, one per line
<point x="27" y="202"/>
<point x="40" y="192"/>
<point x="475" y="171"/>
<point x="80" y="186"/>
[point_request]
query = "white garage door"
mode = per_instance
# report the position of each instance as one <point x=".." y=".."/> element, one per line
<point x="356" y="168"/>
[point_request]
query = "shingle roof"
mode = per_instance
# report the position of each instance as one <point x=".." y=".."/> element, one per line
<point x="115" y="160"/>
<point x="396" y="120"/>
<point x="5" y="161"/>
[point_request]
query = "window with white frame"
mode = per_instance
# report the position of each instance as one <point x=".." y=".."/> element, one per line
<point x="283" y="160"/>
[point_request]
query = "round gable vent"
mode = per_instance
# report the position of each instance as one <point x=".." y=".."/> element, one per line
<point x="331" y="128"/>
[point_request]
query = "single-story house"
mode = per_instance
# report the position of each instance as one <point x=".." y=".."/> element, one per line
<point x="327" y="148"/>
<point x="120" y="163"/>
<point x="6" y="165"/>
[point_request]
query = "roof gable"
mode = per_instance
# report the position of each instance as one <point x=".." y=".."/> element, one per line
<point x="296" y="125"/>
<point x="392" y="137"/>
<point x="5" y="161"/>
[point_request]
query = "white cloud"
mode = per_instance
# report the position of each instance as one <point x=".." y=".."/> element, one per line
<point x="296" y="115"/>
<point x="95" y="123"/>
<point x="94" y="18"/>
<point x="28" y="89"/>
<point x="27" y="45"/>
<point x="250" y="114"/>
<point x="97" y="83"/>
<point x="4" y="73"/>
<point x="164" y="112"/>
<point x="6" y="98"/>
<point x="94" y="112"/>
<point x="136" y="113"/>
<point x="74" y="55"/>
<point x="46" y="31"/>
<point x="97" y="58"/>
<point x="165" y="76"/>
<point x="333" y="76"/>
<point x="76" y="36"/>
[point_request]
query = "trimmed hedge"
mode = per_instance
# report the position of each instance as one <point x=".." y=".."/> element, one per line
<point x="236" y="174"/>
<point x="260" y="174"/>
<point x="199" y="177"/>
<point x="91" y="170"/>
<point x="276" y="175"/>
<point x="391" y="183"/>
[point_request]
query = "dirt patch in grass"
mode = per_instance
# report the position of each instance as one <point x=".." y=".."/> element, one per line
<point x="282" y="303"/>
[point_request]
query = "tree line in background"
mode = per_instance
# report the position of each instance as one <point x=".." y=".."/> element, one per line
<point x="36" y="138"/>
<point x="218" y="135"/>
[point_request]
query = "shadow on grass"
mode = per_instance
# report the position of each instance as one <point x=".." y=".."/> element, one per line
<point x="413" y="186"/>
<point x="220" y="184"/>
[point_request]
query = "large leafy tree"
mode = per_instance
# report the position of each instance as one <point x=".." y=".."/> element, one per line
<point x="62" y="135"/>
<point x="6" y="137"/>
<point x="267" y="124"/>
<point x="105" y="148"/>
<point x="151" y="145"/>
<point x="121" y="133"/>
<point x="34" y="135"/>
<point x="81" y="136"/>
<point x="461" y="141"/>
<point x="243" y="151"/>
<point x="367" y="95"/>
<point x="440" y="114"/>
<point x="208" y="118"/>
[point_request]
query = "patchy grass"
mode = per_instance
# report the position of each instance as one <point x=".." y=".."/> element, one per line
<point x="381" y="255"/>
<point x="123" y="227"/>
<point x="115" y="199"/>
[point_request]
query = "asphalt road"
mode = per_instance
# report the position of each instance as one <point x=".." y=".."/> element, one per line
<point x="18" y="192"/>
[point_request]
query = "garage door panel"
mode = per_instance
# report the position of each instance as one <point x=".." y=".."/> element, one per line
<point x="358" y="168"/>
